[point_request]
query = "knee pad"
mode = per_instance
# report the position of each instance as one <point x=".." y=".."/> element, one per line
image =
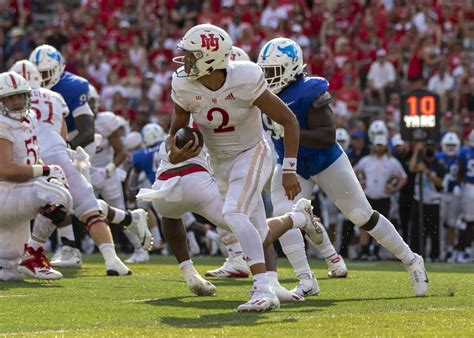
<point x="372" y="222"/>
<point x="94" y="219"/>
<point x="359" y="216"/>
<point x="235" y="220"/>
<point x="55" y="212"/>
<point x="104" y="207"/>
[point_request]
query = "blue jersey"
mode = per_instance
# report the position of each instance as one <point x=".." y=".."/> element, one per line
<point x="147" y="160"/>
<point x="299" y="96"/>
<point x="451" y="164"/>
<point x="75" y="91"/>
<point x="467" y="158"/>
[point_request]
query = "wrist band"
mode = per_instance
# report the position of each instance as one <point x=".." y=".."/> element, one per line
<point x="40" y="170"/>
<point x="110" y="167"/>
<point x="289" y="164"/>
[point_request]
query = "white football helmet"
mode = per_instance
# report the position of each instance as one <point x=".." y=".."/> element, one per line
<point x="94" y="99"/>
<point x="282" y="61"/>
<point x="450" y="144"/>
<point x="377" y="127"/>
<point x="238" y="54"/>
<point x="12" y="83"/>
<point x="29" y="72"/>
<point x="343" y="138"/>
<point x="50" y="64"/>
<point x="210" y="45"/>
<point x="152" y="133"/>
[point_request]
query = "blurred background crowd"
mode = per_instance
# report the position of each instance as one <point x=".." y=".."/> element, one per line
<point x="370" y="52"/>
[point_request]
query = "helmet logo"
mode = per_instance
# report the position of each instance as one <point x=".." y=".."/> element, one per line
<point x="210" y="42"/>
<point x="289" y="50"/>
<point x="54" y="55"/>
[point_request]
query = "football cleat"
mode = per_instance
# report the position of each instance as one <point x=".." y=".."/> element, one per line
<point x="234" y="267"/>
<point x="337" y="267"/>
<point x="313" y="226"/>
<point x="418" y="276"/>
<point x="261" y="300"/>
<point x="199" y="286"/>
<point x="138" y="256"/>
<point x="307" y="287"/>
<point x="115" y="267"/>
<point x="36" y="265"/>
<point x="139" y="226"/>
<point x="282" y="293"/>
<point x="67" y="257"/>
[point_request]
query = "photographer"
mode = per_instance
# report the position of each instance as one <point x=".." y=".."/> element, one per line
<point x="430" y="171"/>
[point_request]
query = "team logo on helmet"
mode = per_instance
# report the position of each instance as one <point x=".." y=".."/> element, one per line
<point x="289" y="50"/>
<point x="210" y="42"/>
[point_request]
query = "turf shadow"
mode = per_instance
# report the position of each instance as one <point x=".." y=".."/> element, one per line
<point x="29" y="284"/>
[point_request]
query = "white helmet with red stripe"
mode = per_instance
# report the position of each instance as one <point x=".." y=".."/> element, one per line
<point x="29" y="72"/>
<point x="13" y="84"/>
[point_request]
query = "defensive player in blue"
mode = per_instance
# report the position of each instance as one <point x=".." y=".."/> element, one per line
<point x="75" y="91"/>
<point x="320" y="158"/>
<point x="450" y="206"/>
<point x="147" y="159"/>
<point x="466" y="179"/>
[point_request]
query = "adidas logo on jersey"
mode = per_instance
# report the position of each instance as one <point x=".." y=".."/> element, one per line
<point x="230" y="97"/>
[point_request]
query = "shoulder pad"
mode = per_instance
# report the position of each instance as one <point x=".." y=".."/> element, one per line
<point x="248" y="80"/>
<point x="6" y="131"/>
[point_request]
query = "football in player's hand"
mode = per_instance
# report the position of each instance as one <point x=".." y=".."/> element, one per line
<point x="186" y="134"/>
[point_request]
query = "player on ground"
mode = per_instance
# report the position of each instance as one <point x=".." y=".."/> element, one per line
<point x="320" y="158"/>
<point x="225" y="100"/>
<point x="27" y="188"/>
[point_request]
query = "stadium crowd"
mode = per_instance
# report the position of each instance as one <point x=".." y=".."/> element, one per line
<point x="370" y="52"/>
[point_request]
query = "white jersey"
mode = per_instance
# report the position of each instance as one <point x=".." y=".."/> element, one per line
<point x="106" y="123"/>
<point x="165" y="165"/>
<point x="50" y="109"/>
<point x="226" y="117"/>
<point x="24" y="137"/>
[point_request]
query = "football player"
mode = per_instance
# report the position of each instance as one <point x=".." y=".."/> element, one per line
<point x="51" y="110"/>
<point x="450" y="207"/>
<point x="466" y="176"/>
<point x="320" y="158"/>
<point x="210" y="87"/>
<point x="28" y="188"/>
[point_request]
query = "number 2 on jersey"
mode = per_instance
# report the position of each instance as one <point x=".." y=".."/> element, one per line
<point x="223" y="128"/>
<point x="49" y="119"/>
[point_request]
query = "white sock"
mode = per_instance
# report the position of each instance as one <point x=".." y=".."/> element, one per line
<point x="133" y="238"/>
<point x="66" y="231"/>
<point x="234" y="249"/>
<point x="119" y="216"/>
<point x="292" y="243"/>
<point x="326" y="248"/>
<point x="35" y="244"/>
<point x="187" y="268"/>
<point x="386" y="234"/>
<point x="155" y="232"/>
<point x="108" y="251"/>
<point x="272" y="275"/>
<point x="261" y="281"/>
<point x="43" y="228"/>
<point x="298" y="218"/>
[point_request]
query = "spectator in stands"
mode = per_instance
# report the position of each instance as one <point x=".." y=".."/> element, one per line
<point x="442" y="83"/>
<point x="381" y="78"/>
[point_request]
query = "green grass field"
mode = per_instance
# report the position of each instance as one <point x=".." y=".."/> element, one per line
<point x="375" y="300"/>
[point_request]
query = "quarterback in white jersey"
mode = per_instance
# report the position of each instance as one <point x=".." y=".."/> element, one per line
<point x="50" y="110"/>
<point x="225" y="101"/>
<point x="27" y="189"/>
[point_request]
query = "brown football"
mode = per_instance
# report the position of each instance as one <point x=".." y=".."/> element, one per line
<point x="186" y="134"/>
